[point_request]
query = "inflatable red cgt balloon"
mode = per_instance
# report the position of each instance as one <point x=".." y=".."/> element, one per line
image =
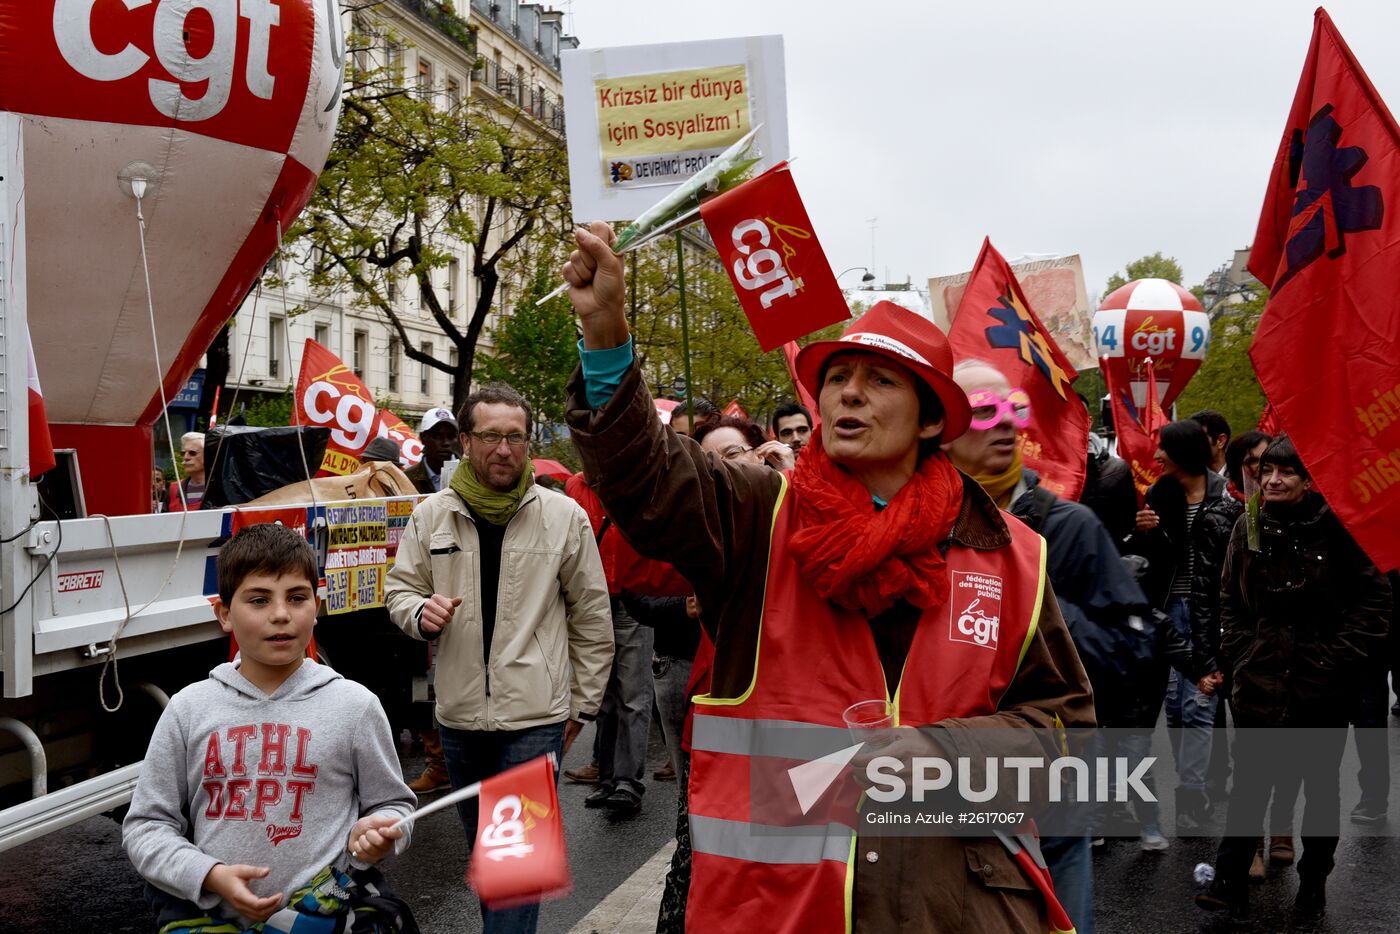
<point x="220" y="114"/>
<point x="1151" y="318"/>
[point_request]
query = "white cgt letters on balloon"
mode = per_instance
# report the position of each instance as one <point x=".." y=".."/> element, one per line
<point x="72" y="30"/>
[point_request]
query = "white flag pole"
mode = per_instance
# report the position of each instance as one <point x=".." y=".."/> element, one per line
<point x="461" y="794"/>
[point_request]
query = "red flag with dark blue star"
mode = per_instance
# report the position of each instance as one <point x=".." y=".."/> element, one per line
<point x="995" y="323"/>
<point x="1327" y="350"/>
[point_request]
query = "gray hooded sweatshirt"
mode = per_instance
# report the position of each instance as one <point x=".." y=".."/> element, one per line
<point x="234" y="775"/>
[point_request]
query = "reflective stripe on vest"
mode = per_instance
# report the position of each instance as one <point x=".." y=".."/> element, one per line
<point x="785" y="870"/>
<point x="756" y="843"/>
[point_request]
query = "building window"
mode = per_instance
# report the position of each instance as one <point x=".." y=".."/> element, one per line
<point x="364" y="36"/>
<point x="453" y="269"/>
<point x="395" y="352"/>
<point x="520" y="93"/>
<point x="454" y="95"/>
<point x="395" y="56"/>
<point x="323" y="333"/>
<point x="425" y="78"/>
<point x="361" y="353"/>
<point x="426" y="377"/>
<point x="391" y="289"/>
<point x="276" y="343"/>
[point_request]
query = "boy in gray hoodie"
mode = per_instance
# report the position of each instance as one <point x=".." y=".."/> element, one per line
<point x="275" y="770"/>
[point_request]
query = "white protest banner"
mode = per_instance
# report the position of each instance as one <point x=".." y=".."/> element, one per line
<point x="643" y="119"/>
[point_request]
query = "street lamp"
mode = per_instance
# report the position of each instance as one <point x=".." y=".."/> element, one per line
<point x="867" y="281"/>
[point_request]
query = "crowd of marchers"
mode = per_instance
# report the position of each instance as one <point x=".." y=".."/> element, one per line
<point x="724" y="576"/>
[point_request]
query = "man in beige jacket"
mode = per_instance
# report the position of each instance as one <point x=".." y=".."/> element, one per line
<point x="506" y="577"/>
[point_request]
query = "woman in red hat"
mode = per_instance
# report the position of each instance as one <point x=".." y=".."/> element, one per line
<point x="873" y="570"/>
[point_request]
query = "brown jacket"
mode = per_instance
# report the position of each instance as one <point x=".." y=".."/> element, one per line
<point x="711" y="519"/>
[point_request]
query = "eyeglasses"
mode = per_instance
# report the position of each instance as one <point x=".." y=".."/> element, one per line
<point x="989" y="408"/>
<point x="735" y="452"/>
<point x="516" y="439"/>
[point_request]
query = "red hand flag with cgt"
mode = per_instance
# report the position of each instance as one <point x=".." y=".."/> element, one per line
<point x="995" y="323"/>
<point x="520" y="856"/>
<point x="1327" y="350"/>
<point x="773" y="258"/>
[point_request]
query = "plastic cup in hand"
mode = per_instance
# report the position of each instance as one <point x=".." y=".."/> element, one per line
<point x="868" y="720"/>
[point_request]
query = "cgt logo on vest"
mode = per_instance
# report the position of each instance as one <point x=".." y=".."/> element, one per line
<point x="974" y="610"/>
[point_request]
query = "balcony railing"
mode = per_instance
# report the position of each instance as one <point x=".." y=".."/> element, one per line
<point x="541" y="105"/>
<point x="451" y="25"/>
<point x="498" y="13"/>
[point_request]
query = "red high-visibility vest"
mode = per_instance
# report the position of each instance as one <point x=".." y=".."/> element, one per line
<point x="815" y="659"/>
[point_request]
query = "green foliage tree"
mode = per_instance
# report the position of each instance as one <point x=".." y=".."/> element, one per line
<point x="411" y="182"/>
<point x="1155" y="266"/>
<point x="267" y="411"/>
<point x="1226" y="381"/>
<point x="536" y="348"/>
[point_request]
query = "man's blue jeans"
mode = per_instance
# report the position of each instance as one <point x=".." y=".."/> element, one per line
<point x="1071" y="868"/>
<point x="473" y="755"/>
<point x="1190" y="714"/>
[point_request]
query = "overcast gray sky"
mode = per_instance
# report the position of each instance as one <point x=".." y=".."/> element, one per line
<point x="1110" y="129"/>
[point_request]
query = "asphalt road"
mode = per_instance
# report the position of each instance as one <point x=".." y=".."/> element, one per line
<point x="79" y="880"/>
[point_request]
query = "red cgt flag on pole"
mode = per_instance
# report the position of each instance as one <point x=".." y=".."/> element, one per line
<point x="790" y="355"/>
<point x="520" y="857"/>
<point x="1327" y="350"/>
<point x="330" y="394"/>
<point x="995" y="323"/>
<point x="1137" y="440"/>
<point x="773" y="258"/>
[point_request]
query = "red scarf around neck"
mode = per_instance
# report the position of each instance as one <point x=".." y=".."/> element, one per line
<point x="866" y="560"/>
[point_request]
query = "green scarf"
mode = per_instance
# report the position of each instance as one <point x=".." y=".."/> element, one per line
<point x="495" y="507"/>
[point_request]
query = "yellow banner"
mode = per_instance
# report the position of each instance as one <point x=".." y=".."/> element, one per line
<point x="664" y="127"/>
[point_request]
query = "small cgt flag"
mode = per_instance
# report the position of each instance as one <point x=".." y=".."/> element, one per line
<point x="773" y="258"/>
<point x="520" y="857"/>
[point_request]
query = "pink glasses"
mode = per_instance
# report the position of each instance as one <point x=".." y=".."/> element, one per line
<point x="989" y="408"/>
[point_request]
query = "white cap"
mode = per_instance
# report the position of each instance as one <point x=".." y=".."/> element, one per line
<point x="432" y="417"/>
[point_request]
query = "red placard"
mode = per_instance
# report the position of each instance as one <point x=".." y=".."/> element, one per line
<point x="520" y="856"/>
<point x="780" y="274"/>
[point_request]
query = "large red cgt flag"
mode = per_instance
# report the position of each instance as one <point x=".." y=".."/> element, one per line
<point x="773" y="258"/>
<point x="995" y="323"/>
<point x="1327" y="350"/>
<point x="520" y="856"/>
<point x="330" y="394"/>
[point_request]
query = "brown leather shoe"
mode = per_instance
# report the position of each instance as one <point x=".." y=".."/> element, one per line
<point x="432" y="779"/>
<point x="667" y="773"/>
<point x="584" y="775"/>
<point x="1256" y="868"/>
<point x="1281" y="850"/>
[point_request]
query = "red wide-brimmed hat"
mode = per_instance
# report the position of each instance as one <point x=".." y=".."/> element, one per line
<point x="898" y="334"/>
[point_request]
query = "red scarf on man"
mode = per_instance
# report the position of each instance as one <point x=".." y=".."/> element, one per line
<point x="866" y="560"/>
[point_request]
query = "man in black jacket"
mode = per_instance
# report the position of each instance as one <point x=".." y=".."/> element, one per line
<point x="1182" y="532"/>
